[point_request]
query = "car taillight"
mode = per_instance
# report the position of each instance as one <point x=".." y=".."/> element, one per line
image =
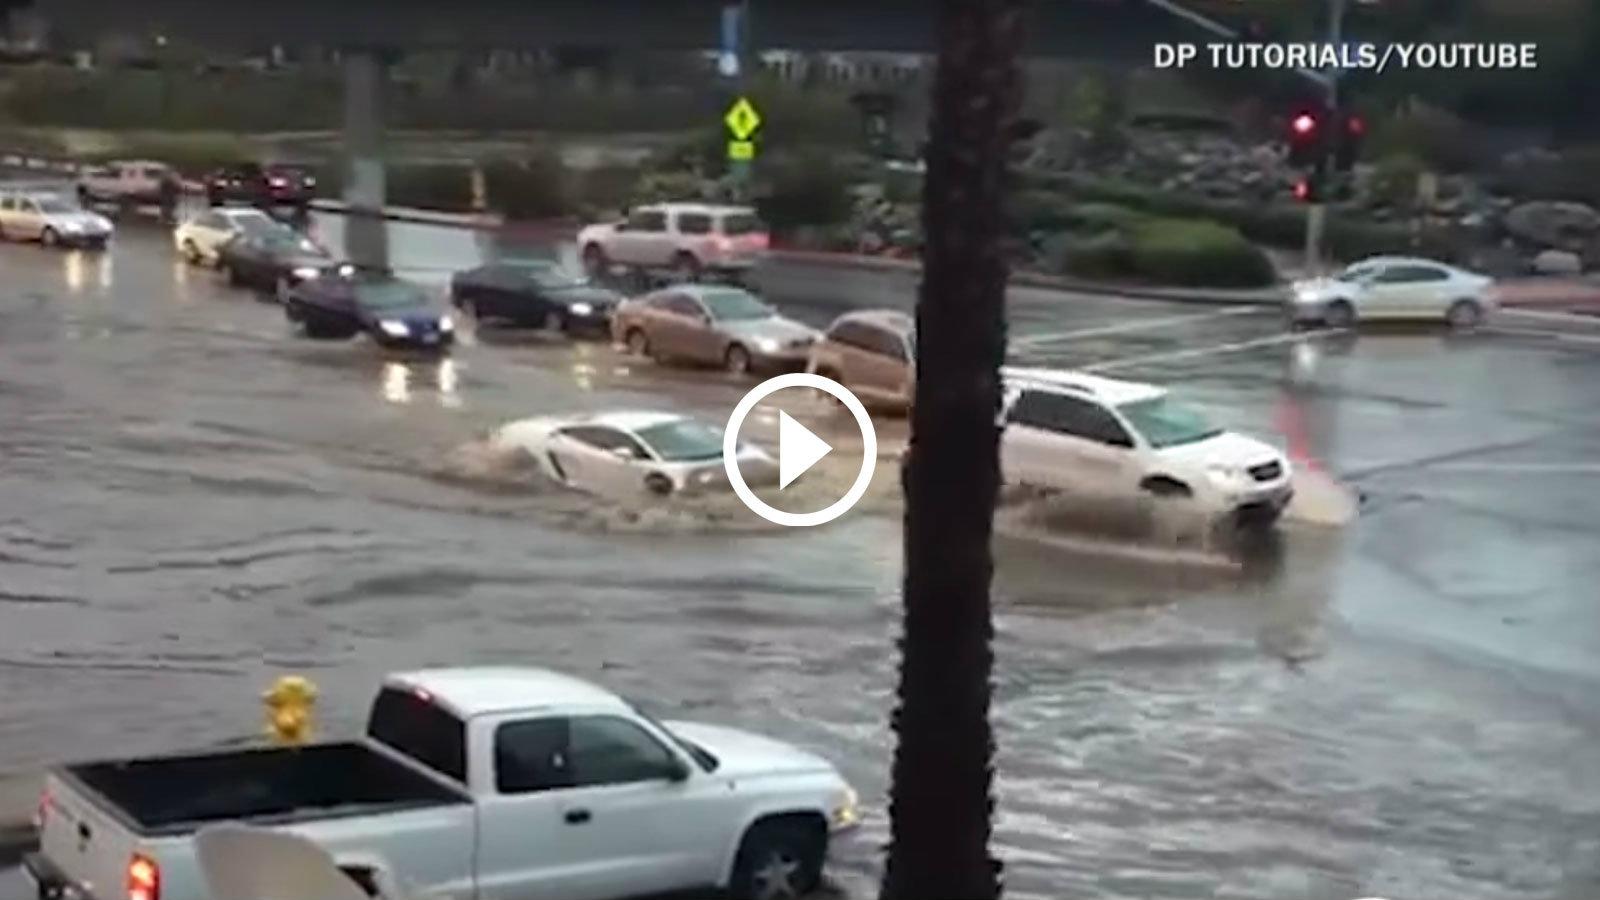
<point x="721" y="243"/>
<point x="759" y="241"/>
<point x="144" y="878"/>
<point x="43" y="811"/>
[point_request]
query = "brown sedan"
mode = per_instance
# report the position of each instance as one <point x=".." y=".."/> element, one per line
<point x="873" y="353"/>
<point x="714" y="324"/>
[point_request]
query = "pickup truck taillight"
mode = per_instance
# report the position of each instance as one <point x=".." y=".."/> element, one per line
<point x="144" y="878"/>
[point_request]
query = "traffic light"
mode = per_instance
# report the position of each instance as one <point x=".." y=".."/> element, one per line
<point x="1312" y="187"/>
<point x="1307" y="137"/>
<point x="1347" y="144"/>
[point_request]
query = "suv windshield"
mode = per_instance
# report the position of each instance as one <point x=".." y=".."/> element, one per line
<point x="733" y="306"/>
<point x="683" y="441"/>
<point x="1165" y="422"/>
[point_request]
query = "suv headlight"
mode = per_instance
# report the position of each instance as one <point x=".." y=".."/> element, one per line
<point x="1224" y="475"/>
<point x="846" y="812"/>
<point x="394" y="328"/>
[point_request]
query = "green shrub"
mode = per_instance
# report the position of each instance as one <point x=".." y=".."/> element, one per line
<point x="1197" y="253"/>
<point x="606" y="190"/>
<point x="1394" y="180"/>
<point x="803" y="189"/>
<point x="666" y="187"/>
<point x="192" y="154"/>
<point x="538" y="187"/>
<point x="442" y="187"/>
<point x="1108" y="255"/>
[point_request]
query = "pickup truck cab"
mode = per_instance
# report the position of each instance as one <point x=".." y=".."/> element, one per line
<point x="689" y="239"/>
<point x="505" y="783"/>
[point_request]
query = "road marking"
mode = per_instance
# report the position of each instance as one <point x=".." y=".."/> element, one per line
<point x="1550" y="315"/>
<point x="1592" y="339"/>
<point x="1125" y="327"/>
<point x="1577" y="468"/>
<point x="1213" y="350"/>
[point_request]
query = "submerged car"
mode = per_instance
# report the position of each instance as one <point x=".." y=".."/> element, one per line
<point x="393" y="312"/>
<point x="658" y="453"/>
<point x="1394" y="288"/>
<point x="719" y="325"/>
<point x="199" y="240"/>
<point x="276" y="260"/>
<point x="872" y="353"/>
<point x="534" y="292"/>
<point x="51" y="221"/>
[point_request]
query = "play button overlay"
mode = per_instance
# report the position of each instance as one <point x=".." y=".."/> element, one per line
<point x="799" y="450"/>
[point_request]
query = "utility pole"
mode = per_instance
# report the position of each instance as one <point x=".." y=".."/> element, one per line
<point x="1317" y="213"/>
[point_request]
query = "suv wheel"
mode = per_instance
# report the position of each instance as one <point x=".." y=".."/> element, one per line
<point x="778" y="859"/>
<point x="685" y="266"/>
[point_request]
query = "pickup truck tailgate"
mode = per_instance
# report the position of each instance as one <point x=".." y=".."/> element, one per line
<point x="89" y="845"/>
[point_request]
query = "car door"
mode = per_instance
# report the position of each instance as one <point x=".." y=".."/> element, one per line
<point x="1062" y="442"/>
<point x="679" y="326"/>
<point x="598" y="804"/>
<point x="522" y="299"/>
<point x="636" y="241"/>
<point x="881" y="367"/>
<point x="598" y="458"/>
<point x="1392" y="293"/>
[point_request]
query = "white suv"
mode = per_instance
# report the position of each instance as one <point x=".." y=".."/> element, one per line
<point x="1088" y="435"/>
<point x="689" y="239"/>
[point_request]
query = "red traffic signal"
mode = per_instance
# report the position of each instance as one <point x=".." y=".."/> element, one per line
<point x="1306" y="138"/>
<point x="1302" y="190"/>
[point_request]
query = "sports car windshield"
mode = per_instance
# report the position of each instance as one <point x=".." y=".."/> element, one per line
<point x="735" y="306"/>
<point x="1165" y="422"/>
<point x="683" y="441"/>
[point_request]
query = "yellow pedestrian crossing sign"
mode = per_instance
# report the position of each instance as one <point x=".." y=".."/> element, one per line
<point x="742" y="119"/>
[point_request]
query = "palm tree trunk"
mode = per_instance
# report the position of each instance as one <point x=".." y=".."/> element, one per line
<point x="940" y="804"/>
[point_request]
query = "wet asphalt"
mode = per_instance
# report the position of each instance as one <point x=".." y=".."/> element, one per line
<point x="193" y="500"/>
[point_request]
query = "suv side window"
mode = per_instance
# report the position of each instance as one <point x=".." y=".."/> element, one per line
<point x="612" y="750"/>
<point x="1068" y="415"/>
<point x="647" y="220"/>
<point x="694" y="223"/>
<point x="851" y="334"/>
<point x="532" y="755"/>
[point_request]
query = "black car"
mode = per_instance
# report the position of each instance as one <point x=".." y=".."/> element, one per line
<point x="393" y="312"/>
<point x="275" y="259"/>
<point x="253" y="183"/>
<point x="534" y="292"/>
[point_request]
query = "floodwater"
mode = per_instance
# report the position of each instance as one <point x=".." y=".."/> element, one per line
<point x="193" y="501"/>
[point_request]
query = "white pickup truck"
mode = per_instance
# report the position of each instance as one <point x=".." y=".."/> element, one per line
<point x="505" y="783"/>
<point x="124" y="182"/>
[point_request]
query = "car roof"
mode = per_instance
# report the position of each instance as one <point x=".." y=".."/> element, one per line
<point x="240" y="212"/>
<point x="1401" y="260"/>
<point x="891" y="319"/>
<point x="708" y="208"/>
<point x="1110" y="391"/>
<point x="632" y="419"/>
<point x="486" y="690"/>
<point x="700" y="290"/>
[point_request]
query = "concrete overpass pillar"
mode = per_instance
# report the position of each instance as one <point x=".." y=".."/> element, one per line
<point x="366" y="79"/>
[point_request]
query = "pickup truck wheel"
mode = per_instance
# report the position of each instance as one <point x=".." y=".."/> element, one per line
<point x="778" y="859"/>
<point x="594" y="260"/>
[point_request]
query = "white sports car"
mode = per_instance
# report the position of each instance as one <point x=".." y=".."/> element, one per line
<point x="623" y="452"/>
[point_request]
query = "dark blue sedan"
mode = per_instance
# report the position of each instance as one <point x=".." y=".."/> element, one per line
<point x="393" y="312"/>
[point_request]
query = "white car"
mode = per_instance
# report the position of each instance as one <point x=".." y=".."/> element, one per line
<point x="51" y="220"/>
<point x="687" y="238"/>
<point x="1088" y="435"/>
<point x="628" y="452"/>
<point x="1394" y="288"/>
<point x="200" y="239"/>
<point x="475" y="782"/>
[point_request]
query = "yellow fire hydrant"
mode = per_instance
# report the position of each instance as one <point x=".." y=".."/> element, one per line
<point x="289" y="702"/>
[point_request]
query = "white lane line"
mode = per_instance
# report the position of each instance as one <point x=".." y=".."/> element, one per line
<point x="1213" y="350"/>
<point x="1593" y="339"/>
<point x="1143" y="325"/>
<point x="1550" y="315"/>
<point x="1577" y="468"/>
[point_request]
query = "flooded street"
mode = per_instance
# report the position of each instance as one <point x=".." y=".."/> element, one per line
<point x="192" y="501"/>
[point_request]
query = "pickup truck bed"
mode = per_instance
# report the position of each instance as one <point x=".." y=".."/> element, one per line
<point x="178" y="794"/>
